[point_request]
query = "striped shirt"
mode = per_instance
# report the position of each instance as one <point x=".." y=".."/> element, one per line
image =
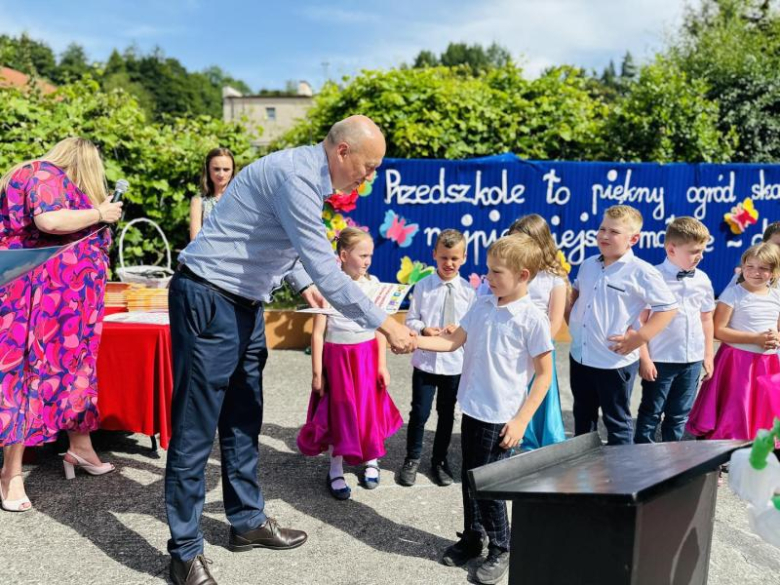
<point x="267" y="227"/>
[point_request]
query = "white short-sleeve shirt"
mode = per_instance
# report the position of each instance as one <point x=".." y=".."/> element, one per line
<point x="541" y="287"/>
<point x="610" y="300"/>
<point x="753" y="313"/>
<point x="498" y="359"/>
<point x="345" y="331"/>
<point x="426" y="309"/>
<point x="682" y="342"/>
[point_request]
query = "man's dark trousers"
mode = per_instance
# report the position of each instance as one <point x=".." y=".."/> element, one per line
<point x="219" y="351"/>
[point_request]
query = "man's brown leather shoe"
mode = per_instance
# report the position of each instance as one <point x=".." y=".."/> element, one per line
<point x="269" y="535"/>
<point x="192" y="572"/>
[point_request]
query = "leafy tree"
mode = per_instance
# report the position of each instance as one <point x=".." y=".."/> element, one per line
<point x="627" y="68"/>
<point x="72" y="65"/>
<point x="28" y="56"/>
<point x="664" y="117"/>
<point x="439" y="112"/>
<point x="475" y="57"/>
<point x="426" y="59"/>
<point x="162" y="161"/>
<point x="734" y="46"/>
<point x="219" y="78"/>
<point x="609" y="76"/>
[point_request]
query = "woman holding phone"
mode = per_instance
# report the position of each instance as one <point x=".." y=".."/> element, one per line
<point x="51" y="318"/>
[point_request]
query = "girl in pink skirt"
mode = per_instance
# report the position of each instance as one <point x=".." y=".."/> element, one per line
<point x="350" y="411"/>
<point x="742" y="395"/>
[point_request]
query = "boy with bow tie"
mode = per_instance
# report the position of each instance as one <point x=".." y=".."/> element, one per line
<point x="670" y="364"/>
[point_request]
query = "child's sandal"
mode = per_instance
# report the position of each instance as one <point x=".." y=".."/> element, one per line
<point x="370" y="483"/>
<point x="340" y="494"/>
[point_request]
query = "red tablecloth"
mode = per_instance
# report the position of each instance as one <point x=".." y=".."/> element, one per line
<point x="135" y="379"/>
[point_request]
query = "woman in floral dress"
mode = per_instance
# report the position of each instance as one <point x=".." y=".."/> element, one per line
<point x="51" y="318"/>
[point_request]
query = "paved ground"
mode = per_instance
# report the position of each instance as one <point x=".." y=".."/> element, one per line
<point x="112" y="530"/>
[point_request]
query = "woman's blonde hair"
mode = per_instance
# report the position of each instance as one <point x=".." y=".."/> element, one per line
<point x="534" y="226"/>
<point x="767" y="253"/>
<point x="80" y="160"/>
<point x="349" y="237"/>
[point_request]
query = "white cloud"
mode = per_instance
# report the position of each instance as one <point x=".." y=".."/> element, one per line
<point x="538" y="33"/>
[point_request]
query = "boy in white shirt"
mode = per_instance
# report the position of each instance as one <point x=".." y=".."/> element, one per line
<point x="671" y="363"/>
<point x="508" y="344"/>
<point x="438" y="301"/>
<point x="609" y="294"/>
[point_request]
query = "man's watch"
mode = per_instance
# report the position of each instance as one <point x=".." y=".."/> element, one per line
<point x="308" y="286"/>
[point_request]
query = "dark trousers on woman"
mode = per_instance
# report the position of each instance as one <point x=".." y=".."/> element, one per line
<point x="610" y="390"/>
<point x="219" y="351"/>
<point x="479" y="444"/>
<point x="424" y="387"/>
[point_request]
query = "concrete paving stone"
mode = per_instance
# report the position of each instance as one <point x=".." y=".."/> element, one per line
<point x="111" y="530"/>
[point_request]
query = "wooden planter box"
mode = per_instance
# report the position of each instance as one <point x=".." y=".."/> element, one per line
<point x="286" y="329"/>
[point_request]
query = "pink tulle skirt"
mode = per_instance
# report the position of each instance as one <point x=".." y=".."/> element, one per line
<point x="742" y="396"/>
<point x="356" y="414"/>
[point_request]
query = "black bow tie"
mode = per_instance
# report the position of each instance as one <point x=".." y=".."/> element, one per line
<point x="685" y="274"/>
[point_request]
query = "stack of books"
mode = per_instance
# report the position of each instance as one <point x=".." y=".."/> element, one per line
<point x="116" y="296"/>
<point x="154" y="300"/>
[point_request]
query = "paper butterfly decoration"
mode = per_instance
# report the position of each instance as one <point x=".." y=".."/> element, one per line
<point x="741" y="216"/>
<point x="394" y="228"/>
<point x="412" y="272"/>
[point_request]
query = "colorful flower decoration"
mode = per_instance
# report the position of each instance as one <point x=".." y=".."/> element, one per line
<point x="335" y="222"/>
<point x="394" y="228"/>
<point x="413" y="271"/>
<point x="366" y="186"/>
<point x="564" y="263"/>
<point x="741" y="216"/>
<point x="343" y="201"/>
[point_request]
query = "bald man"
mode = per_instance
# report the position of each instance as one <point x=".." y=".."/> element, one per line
<point x="266" y="228"/>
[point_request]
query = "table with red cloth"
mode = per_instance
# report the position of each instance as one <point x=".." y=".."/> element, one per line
<point x="135" y="379"/>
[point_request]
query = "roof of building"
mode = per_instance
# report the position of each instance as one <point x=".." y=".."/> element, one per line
<point x="13" y="78"/>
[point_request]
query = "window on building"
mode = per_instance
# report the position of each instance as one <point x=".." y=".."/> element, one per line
<point x="270" y="114"/>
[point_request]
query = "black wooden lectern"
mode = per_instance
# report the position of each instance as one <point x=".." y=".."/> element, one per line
<point x="588" y="514"/>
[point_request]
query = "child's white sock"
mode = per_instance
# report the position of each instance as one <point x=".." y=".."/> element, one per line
<point x="372" y="472"/>
<point x="337" y="470"/>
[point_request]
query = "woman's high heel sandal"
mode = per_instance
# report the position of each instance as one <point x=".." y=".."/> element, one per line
<point x="70" y="468"/>
<point x="14" y="505"/>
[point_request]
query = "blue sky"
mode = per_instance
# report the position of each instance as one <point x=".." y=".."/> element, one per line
<point x="268" y="43"/>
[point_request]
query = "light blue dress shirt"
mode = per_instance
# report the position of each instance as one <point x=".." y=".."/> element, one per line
<point x="267" y="227"/>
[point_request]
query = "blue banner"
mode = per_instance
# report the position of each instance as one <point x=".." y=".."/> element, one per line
<point x="411" y="201"/>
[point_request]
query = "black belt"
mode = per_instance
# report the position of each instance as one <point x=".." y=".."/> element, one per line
<point x="232" y="297"/>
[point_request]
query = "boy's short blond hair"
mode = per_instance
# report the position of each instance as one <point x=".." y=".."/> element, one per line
<point x="450" y="238"/>
<point x="627" y="215"/>
<point x="518" y="252"/>
<point x="687" y="230"/>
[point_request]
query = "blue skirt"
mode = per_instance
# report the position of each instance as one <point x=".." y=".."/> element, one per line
<point x="546" y="427"/>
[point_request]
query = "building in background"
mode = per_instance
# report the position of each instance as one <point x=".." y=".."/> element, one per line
<point x="275" y="114"/>
<point x="13" y="78"/>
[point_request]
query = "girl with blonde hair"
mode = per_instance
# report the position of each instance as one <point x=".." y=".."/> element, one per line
<point x="52" y="316"/>
<point x="350" y="411"/>
<point x="548" y="292"/>
<point x="737" y="400"/>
